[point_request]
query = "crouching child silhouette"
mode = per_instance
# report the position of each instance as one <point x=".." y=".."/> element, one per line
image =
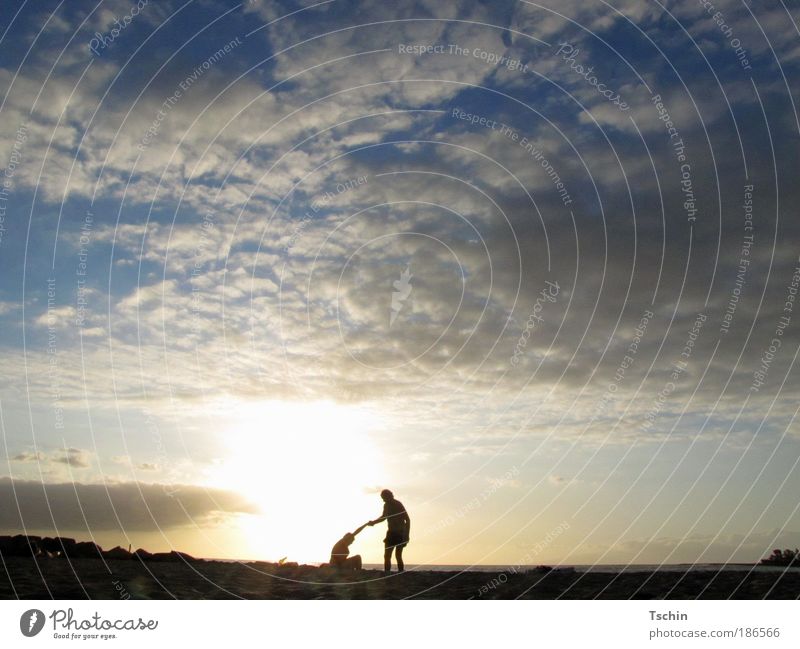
<point x="340" y="554"/>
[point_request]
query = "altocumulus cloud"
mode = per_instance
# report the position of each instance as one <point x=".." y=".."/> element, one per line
<point x="66" y="506"/>
<point x="228" y="311"/>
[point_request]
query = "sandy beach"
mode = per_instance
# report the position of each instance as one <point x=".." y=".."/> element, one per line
<point x="132" y="579"/>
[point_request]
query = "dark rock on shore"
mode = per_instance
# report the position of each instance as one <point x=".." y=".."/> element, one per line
<point x="20" y="546"/>
<point x="172" y="556"/>
<point x="117" y="553"/>
<point x="85" y="550"/>
<point x="58" y="547"/>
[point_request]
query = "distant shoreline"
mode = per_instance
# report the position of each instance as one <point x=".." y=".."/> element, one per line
<point x="601" y="567"/>
<point x="39" y="547"/>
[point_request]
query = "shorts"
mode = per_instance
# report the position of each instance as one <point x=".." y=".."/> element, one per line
<point x="395" y="540"/>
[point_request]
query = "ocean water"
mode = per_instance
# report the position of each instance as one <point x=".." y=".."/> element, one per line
<point x="638" y="567"/>
<point x="608" y="567"/>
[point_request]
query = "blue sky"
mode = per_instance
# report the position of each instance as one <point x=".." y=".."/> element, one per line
<point x="203" y="307"/>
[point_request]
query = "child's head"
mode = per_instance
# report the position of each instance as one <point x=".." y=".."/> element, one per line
<point x="348" y="538"/>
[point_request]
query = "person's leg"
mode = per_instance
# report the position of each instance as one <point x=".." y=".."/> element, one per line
<point x="387" y="559"/>
<point x="354" y="563"/>
<point x="399" y="554"/>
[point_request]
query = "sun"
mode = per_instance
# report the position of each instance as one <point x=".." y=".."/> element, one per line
<point x="311" y="468"/>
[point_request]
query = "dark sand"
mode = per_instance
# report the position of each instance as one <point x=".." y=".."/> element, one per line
<point x="98" y="579"/>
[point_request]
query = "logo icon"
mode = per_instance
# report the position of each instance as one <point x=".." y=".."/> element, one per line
<point x="402" y="289"/>
<point x="31" y="622"/>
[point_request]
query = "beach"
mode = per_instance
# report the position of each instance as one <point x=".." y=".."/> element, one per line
<point x="28" y="578"/>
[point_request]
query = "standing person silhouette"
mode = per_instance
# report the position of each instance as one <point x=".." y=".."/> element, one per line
<point x="397" y="534"/>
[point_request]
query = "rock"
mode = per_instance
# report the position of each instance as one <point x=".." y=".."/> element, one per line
<point x="84" y="550"/>
<point x="54" y="547"/>
<point x="171" y="556"/>
<point x="117" y="553"/>
<point x="20" y="546"/>
<point x="57" y="547"/>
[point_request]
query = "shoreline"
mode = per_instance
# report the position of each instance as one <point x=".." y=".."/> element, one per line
<point x="33" y="567"/>
<point x="99" y="578"/>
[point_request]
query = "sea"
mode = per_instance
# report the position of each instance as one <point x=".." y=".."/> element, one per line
<point x="606" y="567"/>
<point x="635" y="567"/>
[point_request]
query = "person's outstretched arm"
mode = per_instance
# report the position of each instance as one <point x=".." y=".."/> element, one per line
<point x="361" y="528"/>
<point x="382" y="517"/>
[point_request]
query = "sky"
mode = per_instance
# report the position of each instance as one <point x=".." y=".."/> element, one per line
<point x="532" y="266"/>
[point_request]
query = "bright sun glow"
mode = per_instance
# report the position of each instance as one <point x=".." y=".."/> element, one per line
<point x="311" y="468"/>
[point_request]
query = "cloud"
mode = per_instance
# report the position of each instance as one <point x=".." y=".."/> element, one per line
<point x="28" y="457"/>
<point x="216" y="280"/>
<point x="8" y="307"/>
<point x="74" y="457"/>
<point x="118" y="506"/>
